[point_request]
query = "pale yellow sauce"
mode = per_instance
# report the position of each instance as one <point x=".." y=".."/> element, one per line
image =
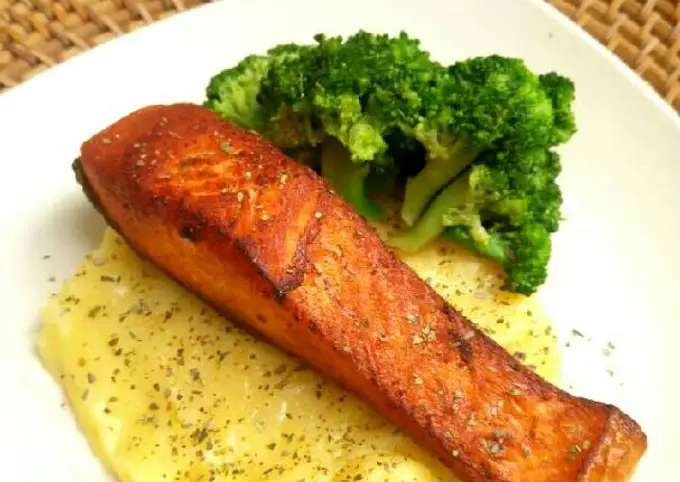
<point x="166" y="389"/>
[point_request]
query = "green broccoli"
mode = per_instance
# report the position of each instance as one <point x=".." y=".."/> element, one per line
<point x="234" y="92"/>
<point x="468" y="143"/>
<point x="485" y="103"/>
<point x="503" y="207"/>
<point x="360" y="93"/>
<point x="561" y="93"/>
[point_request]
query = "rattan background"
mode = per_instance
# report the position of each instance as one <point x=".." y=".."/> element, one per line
<point x="36" y="34"/>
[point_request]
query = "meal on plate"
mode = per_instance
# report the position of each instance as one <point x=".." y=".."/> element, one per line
<point x="356" y="204"/>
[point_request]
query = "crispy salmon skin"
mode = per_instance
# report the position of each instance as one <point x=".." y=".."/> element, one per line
<point x="265" y="240"/>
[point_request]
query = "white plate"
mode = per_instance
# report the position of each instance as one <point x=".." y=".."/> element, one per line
<point x="616" y="267"/>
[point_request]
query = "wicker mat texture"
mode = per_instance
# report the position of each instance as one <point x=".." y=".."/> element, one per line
<point x="36" y="34"/>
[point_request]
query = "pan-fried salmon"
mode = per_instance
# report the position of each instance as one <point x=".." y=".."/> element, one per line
<point x="265" y="240"/>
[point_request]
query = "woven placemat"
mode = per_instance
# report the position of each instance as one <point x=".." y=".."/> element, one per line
<point x="36" y="34"/>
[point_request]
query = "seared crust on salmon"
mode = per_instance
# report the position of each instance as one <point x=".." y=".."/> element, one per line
<point x="264" y="239"/>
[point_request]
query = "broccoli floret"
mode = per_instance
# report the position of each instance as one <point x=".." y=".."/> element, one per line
<point x="358" y="92"/>
<point x="233" y="92"/>
<point x="561" y="93"/>
<point x="470" y="141"/>
<point x="485" y="103"/>
<point x="503" y="207"/>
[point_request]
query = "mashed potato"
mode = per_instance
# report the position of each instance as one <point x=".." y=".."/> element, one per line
<point x="166" y="389"/>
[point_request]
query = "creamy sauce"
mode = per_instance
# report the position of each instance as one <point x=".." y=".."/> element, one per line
<point x="166" y="389"/>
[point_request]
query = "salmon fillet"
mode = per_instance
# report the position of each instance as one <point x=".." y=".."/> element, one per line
<point x="265" y="240"/>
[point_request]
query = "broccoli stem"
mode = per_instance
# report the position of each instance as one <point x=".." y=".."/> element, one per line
<point x="348" y="179"/>
<point x="436" y="173"/>
<point x="430" y="225"/>
<point x="494" y="248"/>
